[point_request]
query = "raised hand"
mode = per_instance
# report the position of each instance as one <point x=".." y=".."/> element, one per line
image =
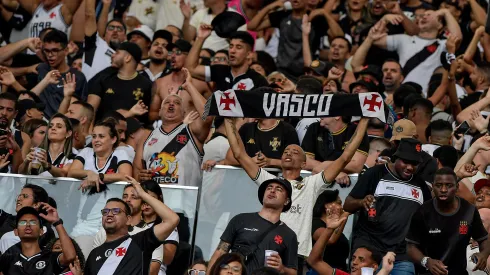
<point x="388" y="262"/>
<point x="378" y="31"/>
<point x="72" y="48"/>
<point x="478" y="122"/>
<point x="4" y="161"/>
<point x="188" y="78"/>
<point x="306" y="25"/>
<point x="6" y="77"/>
<point x="69" y="85"/>
<point x="53" y="77"/>
<point x="52" y="215"/>
<point x="334" y="221"/>
<point x="137" y="186"/>
<point x="451" y="43"/>
<point x="467" y="170"/>
<point x="186" y="9"/>
<point x="335" y="73"/>
<point x="75" y="267"/>
<point x="204" y="31"/>
<point x="394" y="19"/>
<point x="139" y="108"/>
<point x="191" y="117"/>
<point x="34" y="44"/>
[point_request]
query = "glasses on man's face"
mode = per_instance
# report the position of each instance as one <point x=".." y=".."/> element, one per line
<point x="30" y="223"/>
<point x="219" y="59"/>
<point x="117" y="28"/>
<point x="52" y="51"/>
<point x="196" y="272"/>
<point x="177" y="52"/>
<point x="276" y="80"/>
<point x="114" y="211"/>
<point x="234" y="269"/>
<point x="24" y="196"/>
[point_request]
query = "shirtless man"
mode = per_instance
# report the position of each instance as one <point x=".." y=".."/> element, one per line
<point x="172" y="83"/>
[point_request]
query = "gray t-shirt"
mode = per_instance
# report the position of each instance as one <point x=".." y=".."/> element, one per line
<point x="53" y="94"/>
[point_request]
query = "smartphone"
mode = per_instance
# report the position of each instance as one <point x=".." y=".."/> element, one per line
<point x="485" y="114"/>
<point x="3" y="132"/>
<point x="463" y="128"/>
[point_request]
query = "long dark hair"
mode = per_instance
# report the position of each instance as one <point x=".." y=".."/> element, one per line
<point x="152" y="186"/>
<point x="111" y="124"/>
<point x="327" y="196"/>
<point x="226" y="259"/>
<point x="78" y="250"/>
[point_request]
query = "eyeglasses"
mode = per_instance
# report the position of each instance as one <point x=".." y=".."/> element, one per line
<point x="219" y="59"/>
<point x="276" y="80"/>
<point x="196" y="272"/>
<point x="115" y="211"/>
<point x="117" y="28"/>
<point x="177" y="52"/>
<point x="234" y="269"/>
<point x="24" y="196"/>
<point x="25" y="223"/>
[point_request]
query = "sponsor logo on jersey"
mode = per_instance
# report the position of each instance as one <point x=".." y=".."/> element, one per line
<point x="40" y="265"/>
<point x="108" y="253"/>
<point x="152" y="141"/>
<point x="18" y="263"/>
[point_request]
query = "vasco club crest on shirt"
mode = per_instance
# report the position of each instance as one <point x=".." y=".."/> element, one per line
<point x="138" y="94"/>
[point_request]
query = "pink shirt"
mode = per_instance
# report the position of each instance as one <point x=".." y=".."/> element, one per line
<point x="237" y="5"/>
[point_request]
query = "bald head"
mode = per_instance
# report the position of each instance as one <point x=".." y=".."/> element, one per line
<point x="298" y="148"/>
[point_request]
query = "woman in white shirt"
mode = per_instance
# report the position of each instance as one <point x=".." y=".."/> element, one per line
<point x="101" y="164"/>
<point x="57" y="157"/>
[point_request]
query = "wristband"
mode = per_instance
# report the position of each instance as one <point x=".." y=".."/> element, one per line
<point x="60" y="221"/>
<point x="101" y="176"/>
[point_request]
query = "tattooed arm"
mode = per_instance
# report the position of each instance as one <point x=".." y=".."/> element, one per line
<point x="223" y="248"/>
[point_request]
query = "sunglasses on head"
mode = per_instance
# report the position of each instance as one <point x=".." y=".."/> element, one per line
<point x="196" y="272"/>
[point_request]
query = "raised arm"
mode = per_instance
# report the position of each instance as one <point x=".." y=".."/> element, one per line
<point x="479" y="14"/>
<point x="473" y="46"/>
<point x="192" y="60"/>
<point x="104" y="17"/>
<point x="339" y="164"/>
<point x="200" y="128"/>
<point x="478" y="106"/>
<point x="170" y="219"/>
<point x="10" y="50"/>
<point x="359" y="57"/>
<point x="315" y="260"/>
<point x="188" y="30"/>
<point x="238" y="149"/>
<point x="261" y="19"/>
<point x="306" y="28"/>
<point x="69" y="8"/>
<point x="451" y="23"/>
<point x="90" y="18"/>
<point x="30" y="5"/>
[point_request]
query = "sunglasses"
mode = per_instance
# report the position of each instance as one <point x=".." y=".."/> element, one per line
<point x="115" y="211"/>
<point x="31" y="223"/>
<point x="118" y="28"/>
<point x="177" y="52"/>
<point x="196" y="272"/>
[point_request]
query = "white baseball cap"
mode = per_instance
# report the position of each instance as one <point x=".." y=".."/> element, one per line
<point x="143" y="30"/>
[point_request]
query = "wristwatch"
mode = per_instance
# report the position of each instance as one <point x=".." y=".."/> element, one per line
<point x="424" y="262"/>
<point x="101" y="176"/>
<point x="60" y="221"/>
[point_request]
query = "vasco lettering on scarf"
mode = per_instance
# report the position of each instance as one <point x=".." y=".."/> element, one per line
<point x="296" y="105"/>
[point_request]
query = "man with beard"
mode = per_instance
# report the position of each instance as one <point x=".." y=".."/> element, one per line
<point x="120" y="88"/>
<point x="441" y="229"/>
<point x="129" y="254"/>
<point x="387" y="199"/>
<point x="136" y="225"/>
<point x="172" y="83"/>
<point x="392" y="78"/>
<point x="157" y="67"/>
<point x="11" y="139"/>
<point x="99" y="47"/>
<point x="55" y="50"/>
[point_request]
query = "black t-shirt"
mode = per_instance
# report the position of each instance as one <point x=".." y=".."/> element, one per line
<point x="271" y="142"/>
<point x="243" y="231"/>
<point x="224" y="79"/>
<point x="137" y="257"/>
<point x="396" y="201"/>
<point x="320" y="143"/>
<point x="12" y="262"/>
<point x="289" y="52"/>
<point x="335" y="254"/>
<point x="116" y="93"/>
<point x="438" y="234"/>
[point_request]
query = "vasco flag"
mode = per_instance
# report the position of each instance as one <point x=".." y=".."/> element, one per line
<point x="259" y="104"/>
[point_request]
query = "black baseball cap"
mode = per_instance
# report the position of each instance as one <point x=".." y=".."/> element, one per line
<point x="27" y="104"/>
<point x="244" y="36"/>
<point x="165" y="35"/>
<point x="133" y="49"/>
<point x="372" y="70"/>
<point x="409" y="149"/>
<point x="366" y="82"/>
<point x="227" y="22"/>
<point x="182" y="45"/>
<point x="25" y="211"/>
<point x="320" y="68"/>
<point x="282" y="181"/>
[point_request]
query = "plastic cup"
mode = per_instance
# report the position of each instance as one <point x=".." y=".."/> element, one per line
<point x="36" y="164"/>
<point x="269" y="253"/>
<point x="367" y="271"/>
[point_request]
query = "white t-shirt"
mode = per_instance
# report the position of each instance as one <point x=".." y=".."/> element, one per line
<point x="216" y="148"/>
<point x="42" y="19"/>
<point x="407" y="46"/>
<point x="145" y="11"/>
<point x="129" y="151"/>
<point x="97" y="59"/>
<point x="299" y="217"/>
<point x="213" y="42"/>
